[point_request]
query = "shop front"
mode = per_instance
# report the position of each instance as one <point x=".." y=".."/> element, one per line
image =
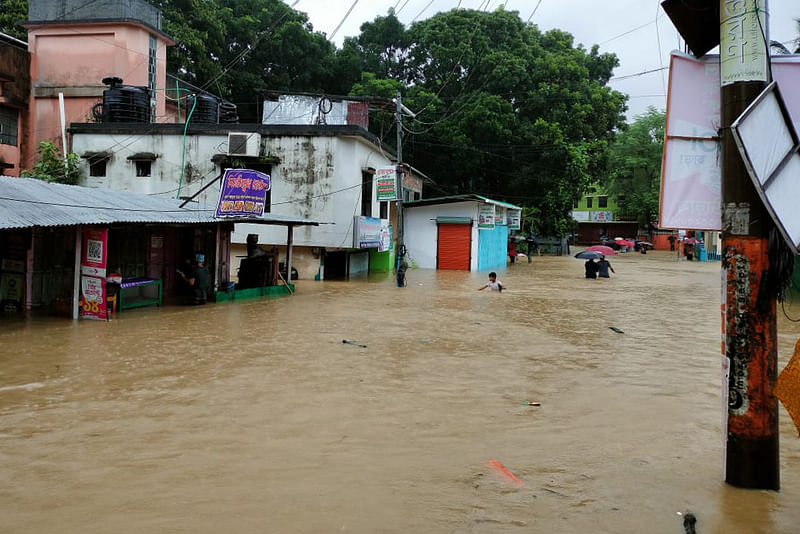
<point x="81" y="252"/>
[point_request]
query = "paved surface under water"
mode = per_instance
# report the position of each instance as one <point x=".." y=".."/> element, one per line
<point x="254" y="417"/>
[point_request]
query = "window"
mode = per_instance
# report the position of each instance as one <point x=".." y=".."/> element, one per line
<point x="384" y="210"/>
<point x="8" y="126"/>
<point x="589" y="202"/>
<point x="576" y="204"/>
<point x="143" y="168"/>
<point x="602" y="202"/>
<point x="417" y="195"/>
<point x="97" y="167"/>
<point x="366" y="193"/>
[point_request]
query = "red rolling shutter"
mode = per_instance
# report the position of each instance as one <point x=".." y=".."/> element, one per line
<point x="453" y="248"/>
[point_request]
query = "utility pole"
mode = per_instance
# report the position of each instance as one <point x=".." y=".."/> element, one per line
<point x="401" y="267"/>
<point x="401" y="249"/>
<point x="749" y="306"/>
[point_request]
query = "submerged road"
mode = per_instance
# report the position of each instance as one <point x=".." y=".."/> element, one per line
<point x="255" y="417"/>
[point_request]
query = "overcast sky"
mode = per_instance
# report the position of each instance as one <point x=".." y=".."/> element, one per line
<point x="637" y="31"/>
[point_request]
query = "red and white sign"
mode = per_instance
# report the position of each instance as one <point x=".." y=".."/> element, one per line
<point x="93" y="273"/>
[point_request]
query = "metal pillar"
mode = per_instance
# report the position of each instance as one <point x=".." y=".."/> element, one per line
<point x="749" y="306"/>
<point x="289" y="239"/>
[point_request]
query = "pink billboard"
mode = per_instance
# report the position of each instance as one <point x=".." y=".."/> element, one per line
<point x="690" y="171"/>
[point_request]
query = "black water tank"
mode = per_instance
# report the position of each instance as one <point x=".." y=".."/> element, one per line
<point x="206" y="109"/>
<point x="227" y="113"/>
<point x="124" y="103"/>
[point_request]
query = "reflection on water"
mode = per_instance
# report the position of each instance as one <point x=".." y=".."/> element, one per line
<point x="255" y="417"/>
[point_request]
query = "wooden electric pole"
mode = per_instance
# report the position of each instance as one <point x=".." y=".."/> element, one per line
<point x="749" y="312"/>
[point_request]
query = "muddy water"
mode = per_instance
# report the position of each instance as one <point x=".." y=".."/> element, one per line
<point x="255" y="417"/>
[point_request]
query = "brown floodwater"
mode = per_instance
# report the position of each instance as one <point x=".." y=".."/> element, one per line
<point x="255" y="417"/>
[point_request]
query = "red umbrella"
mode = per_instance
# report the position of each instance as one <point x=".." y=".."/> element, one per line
<point x="602" y="249"/>
<point x="691" y="241"/>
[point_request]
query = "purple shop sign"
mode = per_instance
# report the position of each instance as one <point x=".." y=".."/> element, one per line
<point x="243" y="193"/>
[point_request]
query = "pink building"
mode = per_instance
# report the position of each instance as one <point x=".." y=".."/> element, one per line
<point x="73" y="46"/>
<point x="15" y="91"/>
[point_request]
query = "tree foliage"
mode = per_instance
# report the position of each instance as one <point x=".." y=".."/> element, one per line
<point x="239" y="48"/>
<point x="503" y="109"/>
<point x="635" y="166"/>
<point x="12" y="14"/>
<point x="53" y="167"/>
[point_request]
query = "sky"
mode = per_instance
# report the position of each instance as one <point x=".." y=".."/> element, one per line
<point x="637" y="31"/>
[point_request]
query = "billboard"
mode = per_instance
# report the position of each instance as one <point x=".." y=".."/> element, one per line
<point x="690" y="169"/>
<point x="243" y="193"/>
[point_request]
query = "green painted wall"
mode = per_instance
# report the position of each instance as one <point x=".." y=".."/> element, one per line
<point x="381" y="262"/>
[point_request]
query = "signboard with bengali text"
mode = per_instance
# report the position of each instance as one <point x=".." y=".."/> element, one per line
<point x="386" y="184"/>
<point x="486" y="217"/>
<point x="243" y="193"/>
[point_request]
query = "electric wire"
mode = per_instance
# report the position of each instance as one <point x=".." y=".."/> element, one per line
<point x="534" y="11"/>
<point x="343" y="19"/>
<point x="422" y="11"/>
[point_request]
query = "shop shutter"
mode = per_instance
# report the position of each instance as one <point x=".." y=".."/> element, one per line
<point x="453" y="248"/>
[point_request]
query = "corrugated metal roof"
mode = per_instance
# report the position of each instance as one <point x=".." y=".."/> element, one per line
<point x="27" y="203"/>
<point x="458" y="198"/>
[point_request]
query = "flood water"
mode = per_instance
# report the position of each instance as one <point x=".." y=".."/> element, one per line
<point x="255" y="417"/>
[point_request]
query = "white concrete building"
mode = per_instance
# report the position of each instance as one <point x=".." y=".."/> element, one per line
<point x="461" y="232"/>
<point x="319" y="172"/>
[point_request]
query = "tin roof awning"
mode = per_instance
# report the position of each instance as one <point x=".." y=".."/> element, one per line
<point x="30" y="203"/>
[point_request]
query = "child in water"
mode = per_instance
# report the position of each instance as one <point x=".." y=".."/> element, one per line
<point x="494" y="284"/>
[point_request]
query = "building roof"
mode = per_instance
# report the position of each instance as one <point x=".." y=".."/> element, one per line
<point x="458" y="198"/>
<point x="30" y="203"/>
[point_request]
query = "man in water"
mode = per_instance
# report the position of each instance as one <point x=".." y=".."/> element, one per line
<point x="591" y="269"/>
<point x="603" y="266"/>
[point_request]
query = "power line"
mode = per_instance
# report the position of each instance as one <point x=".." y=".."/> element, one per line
<point x="422" y="11"/>
<point x="343" y="19"/>
<point x="616" y="78"/>
<point x="534" y="11"/>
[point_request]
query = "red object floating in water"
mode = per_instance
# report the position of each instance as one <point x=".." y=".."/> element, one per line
<point x="505" y="473"/>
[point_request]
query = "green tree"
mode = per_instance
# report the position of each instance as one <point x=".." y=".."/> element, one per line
<point x="503" y="109"/>
<point x="53" y="167"/>
<point x="239" y="48"/>
<point x="12" y="14"/>
<point x="635" y="166"/>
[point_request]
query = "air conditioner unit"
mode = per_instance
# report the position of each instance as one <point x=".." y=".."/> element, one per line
<point x="244" y="144"/>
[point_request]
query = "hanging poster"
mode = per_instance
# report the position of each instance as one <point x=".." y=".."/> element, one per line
<point x="93" y="273"/>
<point x="386" y="238"/>
<point x="243" y="193"/>
<point x="486" y="217"/>
<point x="386" y="184"/>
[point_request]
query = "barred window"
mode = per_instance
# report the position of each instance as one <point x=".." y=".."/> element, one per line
<point x="8" y="126"/>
